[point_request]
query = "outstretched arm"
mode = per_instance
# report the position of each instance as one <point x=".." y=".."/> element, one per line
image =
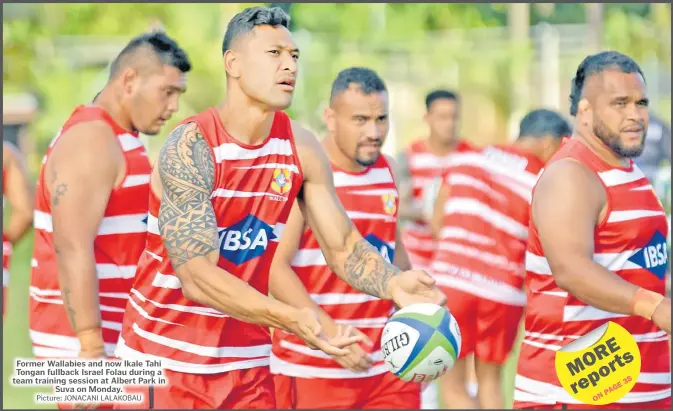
<point x="349" y="255"/>
<point x="18" y="192"/>
<point x="284" y="284"/>
<point x="188" y="229"/>
<point x="567" y="203"/>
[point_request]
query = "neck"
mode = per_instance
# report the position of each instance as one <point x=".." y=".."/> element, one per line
<point x="244" y="119"/>
<point x="108" y="100"/>
<point x="599" y="148"/>
<point x="528" y="145"/>
<point x="338" y="158"/>
<point x="439" y="147"/>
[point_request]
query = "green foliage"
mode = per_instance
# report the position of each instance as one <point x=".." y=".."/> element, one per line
<point x="412" y="45"/>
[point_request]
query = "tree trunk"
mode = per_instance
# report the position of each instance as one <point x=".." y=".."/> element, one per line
<point x="519" y="28"/>
<point x="594" y="17"/>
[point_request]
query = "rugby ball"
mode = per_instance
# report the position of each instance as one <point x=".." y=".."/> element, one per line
<point x="421" y="342"/>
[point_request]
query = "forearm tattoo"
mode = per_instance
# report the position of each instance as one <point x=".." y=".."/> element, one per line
<point x="367" y="271"/>
<point x="186" y="218"/>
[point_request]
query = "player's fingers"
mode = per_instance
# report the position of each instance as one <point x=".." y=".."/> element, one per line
<point x="440" y="297"/>
<point x="330" y="349"/>
<point x="364" y="338"/>
<point x="344" y="341"/>
<point x="316" y="329"/>
<point x="426" y="278"/>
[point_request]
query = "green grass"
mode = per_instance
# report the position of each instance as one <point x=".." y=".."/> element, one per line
<point x="16" y="342"/>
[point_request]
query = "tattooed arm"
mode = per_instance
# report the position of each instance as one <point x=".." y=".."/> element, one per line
<point x="347" y="254"/>
<point x="79" y="180"/>
<point x="188" y="229"/>
<point x="18" y="192"/>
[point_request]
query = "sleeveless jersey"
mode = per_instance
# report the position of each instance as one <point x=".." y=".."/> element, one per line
<point x="370" y="199"/>
<point x="426" y="170"/>
<point x="482" y="243"/>
<point x="253" y="193"/>
<point x="6" y="245"/>
<point x="117" y="247"/>
<point x="631" y="242"/>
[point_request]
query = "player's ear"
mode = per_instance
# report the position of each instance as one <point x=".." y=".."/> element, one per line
<point x="129" y="78"/>
<point x="231" y="64"/>
<point x="584" y="108"/>
<point x="328" y="116"/>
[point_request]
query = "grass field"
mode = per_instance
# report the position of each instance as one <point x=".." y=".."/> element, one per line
<point x="16" y="342"/>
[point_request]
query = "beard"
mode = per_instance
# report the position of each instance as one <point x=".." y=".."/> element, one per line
<point x="614" y="142"/>
<point x="366" y="162"/>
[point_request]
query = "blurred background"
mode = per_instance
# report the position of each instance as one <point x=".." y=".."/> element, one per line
<point x="503" y="59"/>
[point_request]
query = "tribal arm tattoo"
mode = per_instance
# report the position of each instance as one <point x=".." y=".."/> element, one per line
<point x="186" y="218"/>
<point x="367" y="271"/>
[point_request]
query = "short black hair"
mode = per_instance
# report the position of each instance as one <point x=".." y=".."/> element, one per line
<point x="245" y="21"/>
<point x="366" y="79"/>
<point x="542" y="122"/>
<point x="441" y="94"/>
<point x="598" y="63"/>
<point x="162" y="46"/>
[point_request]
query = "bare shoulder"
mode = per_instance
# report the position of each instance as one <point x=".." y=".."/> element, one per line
<point x="95" y="145"/>
<point x="186" y="161"/>
<point x="568" y="176"/>
<point x="391" y="160"/>
<point x="313" y="159"/>
<point x="10" y="153"/>
<point x="392" y="164"/>
<point x="569" y="185"/>
<point x="303" y="138"/>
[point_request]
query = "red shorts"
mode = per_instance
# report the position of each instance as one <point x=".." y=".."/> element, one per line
<point x="384" y="391"/>
<point x="238" y="389"/>
<point x="664" y="404"/>
<point x="488" y="328"/>
<point x="6" y="254"/>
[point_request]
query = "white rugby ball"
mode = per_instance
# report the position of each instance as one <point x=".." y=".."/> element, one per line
<point x="421" y="342"/>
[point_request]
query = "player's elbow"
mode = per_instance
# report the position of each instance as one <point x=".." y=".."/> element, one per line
<point x="192" y="292"/>
<point x="190" y="287"/>
<point x="566" y="275"/>
<point x="188" y="276"/>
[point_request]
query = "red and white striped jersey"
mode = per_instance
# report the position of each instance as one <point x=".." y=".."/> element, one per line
<point x="370" y="199"/>
<point x="253" y="193"/>
<point x="631" y="242"/>
<point x="425" y="170"/>
<point x="117" y="247"/>
<point x="6" y="244"/>
<point x="482" y="243"/>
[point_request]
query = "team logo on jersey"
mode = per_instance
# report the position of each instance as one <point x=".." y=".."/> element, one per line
<point x="654" y="256"/>
<point x="386" y="251"/>
<point x="389" y="204"/>
<point x="281" y="183"/>
<point x="245" y="240"/>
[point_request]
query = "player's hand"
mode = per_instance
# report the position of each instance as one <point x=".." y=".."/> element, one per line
<point x="414" y="286"/>
<point x="357" y="359"/>
<point x="662" y="316"/>
<point x="88" y="405"/>
<point x="306" y="326"/>
<point x="92" y="347"/>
